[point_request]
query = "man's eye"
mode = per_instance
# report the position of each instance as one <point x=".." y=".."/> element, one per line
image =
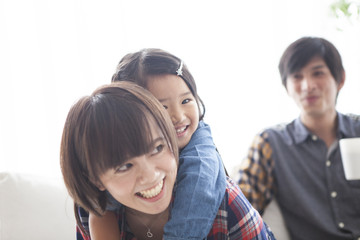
<point x="297" y="76"/>
<point x="123" y="168"/>
<point x="157" y="149"/>
<point x="318" y="73"/>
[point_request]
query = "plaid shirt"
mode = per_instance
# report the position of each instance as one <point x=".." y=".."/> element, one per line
<point x="235" y="220"/>
<point x="290" y="163"/>
<point x="257" y="172"/>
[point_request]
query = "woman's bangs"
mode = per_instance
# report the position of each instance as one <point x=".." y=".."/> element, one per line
<point x="120" y="131"/>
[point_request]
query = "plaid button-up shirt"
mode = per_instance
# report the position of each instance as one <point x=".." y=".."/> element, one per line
<point x="235" y="220"/>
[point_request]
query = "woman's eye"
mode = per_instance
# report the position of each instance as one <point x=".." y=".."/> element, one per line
<point x="185" y="101"/>
<point x="158" y="149"/>
<point x="123" y="168"/>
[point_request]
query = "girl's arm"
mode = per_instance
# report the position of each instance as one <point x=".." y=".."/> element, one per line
<point x="104" y="227"/>
<point x="201" y="184"/>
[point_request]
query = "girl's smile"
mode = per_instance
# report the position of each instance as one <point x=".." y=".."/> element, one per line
<point x="177" y="99"/>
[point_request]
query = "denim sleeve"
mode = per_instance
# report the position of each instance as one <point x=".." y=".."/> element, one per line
<point x="200" y="188"/>
<point x="112" y="203"/>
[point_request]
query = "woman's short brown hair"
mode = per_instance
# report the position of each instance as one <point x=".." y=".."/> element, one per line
<point x="102" y="131"/>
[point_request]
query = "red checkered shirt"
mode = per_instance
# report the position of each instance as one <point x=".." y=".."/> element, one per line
<point x="235" y="220"/>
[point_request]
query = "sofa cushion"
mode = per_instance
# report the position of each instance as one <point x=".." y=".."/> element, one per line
<point x="273" y="217"/>
<point x="33" y="207"/>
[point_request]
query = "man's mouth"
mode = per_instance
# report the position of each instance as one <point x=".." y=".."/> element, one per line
<point x="153" y="192"/>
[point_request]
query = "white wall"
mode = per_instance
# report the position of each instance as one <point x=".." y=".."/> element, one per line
<point x="52" y="52"/>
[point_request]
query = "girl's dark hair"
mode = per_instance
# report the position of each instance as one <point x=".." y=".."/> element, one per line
<point x="104" y="130"/>
<point x="300" y="52"/>
<point x="136" y="67"/>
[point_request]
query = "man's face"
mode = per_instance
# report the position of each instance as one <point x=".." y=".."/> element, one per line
<point x="314" y="89"/>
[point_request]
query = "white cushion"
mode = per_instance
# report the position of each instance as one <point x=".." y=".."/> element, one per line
<point x="34" y="208"/>
<point x="273" y="217"/>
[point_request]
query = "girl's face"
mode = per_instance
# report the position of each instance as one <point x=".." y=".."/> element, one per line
<point x="177" y="99"/>
<point x="144" y="183"/>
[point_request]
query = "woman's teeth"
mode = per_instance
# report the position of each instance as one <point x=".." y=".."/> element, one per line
<point x="152" y="192"/>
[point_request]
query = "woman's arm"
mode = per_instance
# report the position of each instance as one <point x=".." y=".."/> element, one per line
<point x="104" y="227"/>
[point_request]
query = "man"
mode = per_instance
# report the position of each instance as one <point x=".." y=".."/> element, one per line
<point x="299" y="163"/>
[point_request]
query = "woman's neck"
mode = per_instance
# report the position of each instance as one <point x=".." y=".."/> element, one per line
<point x="146" y="226"/>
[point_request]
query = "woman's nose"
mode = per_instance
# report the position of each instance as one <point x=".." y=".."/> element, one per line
<point x="148" y="173"/>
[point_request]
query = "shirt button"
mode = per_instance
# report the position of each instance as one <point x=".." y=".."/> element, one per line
<point x="341" y="225"/>
<point x="328" y="163"/>
<point x="333" y="195"/>
<point x="314" y="137"/>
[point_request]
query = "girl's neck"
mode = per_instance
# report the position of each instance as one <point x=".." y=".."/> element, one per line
<point x="143" y="224"/>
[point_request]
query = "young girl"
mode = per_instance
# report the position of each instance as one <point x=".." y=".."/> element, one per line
<point x="121" y="140"/>
<point x="201" y="178"/>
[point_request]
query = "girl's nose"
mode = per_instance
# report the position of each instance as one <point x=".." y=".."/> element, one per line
<point x="176" y="115"/>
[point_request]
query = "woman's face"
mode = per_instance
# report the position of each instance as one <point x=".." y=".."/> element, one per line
<point x="179" y="102"/>
<point x="144" y="183"/>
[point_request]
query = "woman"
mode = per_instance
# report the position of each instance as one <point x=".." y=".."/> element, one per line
<point x="121" y="140"/>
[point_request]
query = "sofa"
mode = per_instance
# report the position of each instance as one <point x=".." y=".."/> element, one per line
<point x="39" y="208"/>
<point x="34" y="208"/>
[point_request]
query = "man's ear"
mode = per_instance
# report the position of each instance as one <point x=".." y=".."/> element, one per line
<point x="342" y="82"/>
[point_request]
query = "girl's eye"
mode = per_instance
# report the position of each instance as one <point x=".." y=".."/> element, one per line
<point x="157" y="149"/>
<point x="123" y="168"/>
<point x="185" y="101"/>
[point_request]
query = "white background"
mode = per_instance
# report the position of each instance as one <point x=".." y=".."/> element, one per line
<point x="53" y="52"/>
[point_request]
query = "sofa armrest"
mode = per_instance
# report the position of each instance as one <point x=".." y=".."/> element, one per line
<point x="273" y="217"/>
<point x="33" y="207"/>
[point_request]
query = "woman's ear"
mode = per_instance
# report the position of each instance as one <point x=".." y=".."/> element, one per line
<point x="99" y="185"/>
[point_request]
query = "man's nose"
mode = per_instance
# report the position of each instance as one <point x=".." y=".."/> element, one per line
<point x="307" y="84"/>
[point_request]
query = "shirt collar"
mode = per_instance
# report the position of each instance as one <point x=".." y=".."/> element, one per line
<point x="301" y="133"/>
<point x="344" y="131"/>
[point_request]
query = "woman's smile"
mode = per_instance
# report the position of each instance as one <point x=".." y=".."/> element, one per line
<point x="151" y="194"/>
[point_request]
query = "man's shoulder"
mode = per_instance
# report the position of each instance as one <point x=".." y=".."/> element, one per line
<point x="353" y="117"/>
<point x="279" y="128"/>
<point x="280" y="132"/>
